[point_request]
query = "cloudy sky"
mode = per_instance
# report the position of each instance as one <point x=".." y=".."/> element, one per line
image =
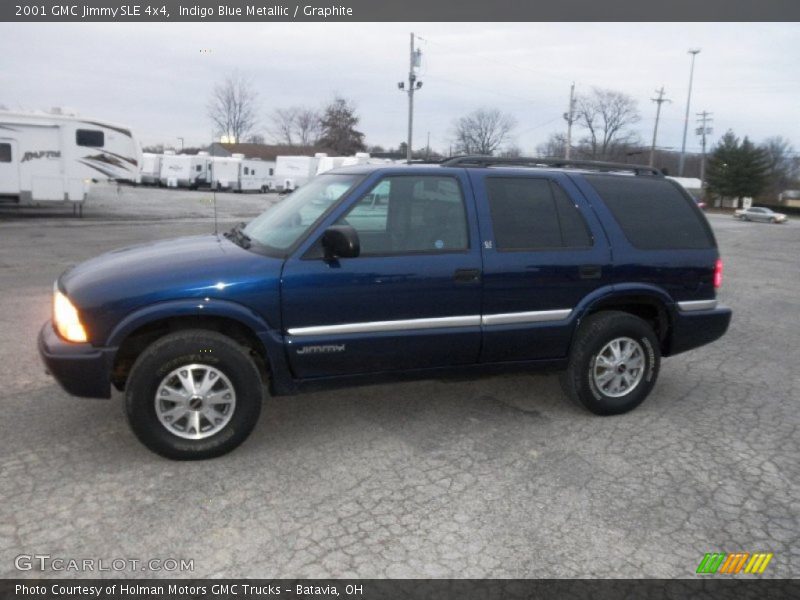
<point x="154" y="77"/>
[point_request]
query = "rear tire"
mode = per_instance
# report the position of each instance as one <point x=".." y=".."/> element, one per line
<point x="614" y="363"/>
<point x="193" y="394"/>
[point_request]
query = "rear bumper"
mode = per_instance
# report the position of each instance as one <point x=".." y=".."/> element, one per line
<point x="692" y="329"/>
<point x="81" y="369"/>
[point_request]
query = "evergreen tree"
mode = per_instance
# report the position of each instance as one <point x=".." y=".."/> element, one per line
<point x="339" y="131"/>
<point x="737" y="169"/>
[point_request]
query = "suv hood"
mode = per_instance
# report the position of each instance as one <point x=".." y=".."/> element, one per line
<point x="110" y="286"/>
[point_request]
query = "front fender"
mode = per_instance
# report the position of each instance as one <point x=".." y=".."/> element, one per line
<point x="186" y="308"/>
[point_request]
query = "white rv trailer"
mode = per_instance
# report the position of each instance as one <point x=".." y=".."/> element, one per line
<point x="225" y="172"/>
<point x="256" y="175"/>
<point x="186" y="170"/>
<point x="328" y="163"/>
<point x="241" y="174"/>
<point x="151" y="168"/>
<point x="293" y="171"/>
<point x="47" y="158"/>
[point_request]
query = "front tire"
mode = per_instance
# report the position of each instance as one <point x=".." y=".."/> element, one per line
<point x="193" y="394"/>
<point x="614" y="363"/>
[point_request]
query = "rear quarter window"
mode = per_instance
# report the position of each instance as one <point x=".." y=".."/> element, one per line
<point x="653" y="213"/>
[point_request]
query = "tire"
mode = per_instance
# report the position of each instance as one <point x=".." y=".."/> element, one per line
<point x="206" y="356"/>
<point x="616" y="388"/>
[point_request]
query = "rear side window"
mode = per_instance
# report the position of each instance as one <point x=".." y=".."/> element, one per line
<point x="89" y="137"/>
<point x="653" y="213"/>
<point x="534" y="214"/>
<point x="5" y="152"/>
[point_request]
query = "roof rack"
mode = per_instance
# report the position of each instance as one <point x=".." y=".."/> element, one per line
<point x="558" y="163"/>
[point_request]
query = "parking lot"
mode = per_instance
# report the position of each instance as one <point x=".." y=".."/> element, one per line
<point x="493" y="477"/>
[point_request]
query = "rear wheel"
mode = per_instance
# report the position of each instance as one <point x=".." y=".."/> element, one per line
<point x="614" y="363"/>
<point x="193" y="394"/>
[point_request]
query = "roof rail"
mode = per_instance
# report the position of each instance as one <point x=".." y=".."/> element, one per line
<point x="558" y="163"/>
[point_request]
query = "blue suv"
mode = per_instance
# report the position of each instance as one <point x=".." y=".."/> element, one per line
<point x="476" y="264"/>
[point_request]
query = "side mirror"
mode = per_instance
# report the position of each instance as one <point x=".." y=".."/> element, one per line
<point x="341" y="241"/>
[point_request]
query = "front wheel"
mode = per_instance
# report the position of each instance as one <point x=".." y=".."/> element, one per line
<point x="614" y="363"/>
<point x="193" y="394"/>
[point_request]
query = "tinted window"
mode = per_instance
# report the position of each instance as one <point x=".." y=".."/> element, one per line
<point x="410" y="214"/>
<point x="5" y="152"/>
<point x="653" y="213"/>
<point x="529" y="213"/>
<point x="89" y="137"/>
<point x="199" y="168"/>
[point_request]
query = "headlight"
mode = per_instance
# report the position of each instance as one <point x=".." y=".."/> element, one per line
<point x="66" y="319"/>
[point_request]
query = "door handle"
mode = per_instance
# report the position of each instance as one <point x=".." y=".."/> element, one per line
<point x="590" y="271"/>
<point x="467" y="275"/>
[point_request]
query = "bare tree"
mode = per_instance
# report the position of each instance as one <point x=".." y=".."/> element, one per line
<point x="233" y="107"/>
<point x="296" y="125"/>
<point x="608" y="116"/>
<point x="554" y="147"/>
<point x="483" y="131"/>
<point x="282" y="125"/>
<point x="783" y="168"/>
<point x="308" y="125"/>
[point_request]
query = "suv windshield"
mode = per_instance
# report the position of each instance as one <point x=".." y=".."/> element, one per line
<point x="281" y="226"/>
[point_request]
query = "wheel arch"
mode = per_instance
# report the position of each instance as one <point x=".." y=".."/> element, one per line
<point x="649" y="303"/>
<point x="140" y="329"/>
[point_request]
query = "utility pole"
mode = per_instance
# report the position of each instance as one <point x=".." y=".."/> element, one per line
<point x="414" y="59"/>
<point x="703" y="131"/>
<point x="569" y="116"/>
<point x="659" y="101"/>
<point x="694" y="52"/>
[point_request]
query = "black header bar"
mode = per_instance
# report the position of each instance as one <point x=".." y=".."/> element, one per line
<point x="151" y="11"/>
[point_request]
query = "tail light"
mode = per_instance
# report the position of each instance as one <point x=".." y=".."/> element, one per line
<point x="718" y="273"/>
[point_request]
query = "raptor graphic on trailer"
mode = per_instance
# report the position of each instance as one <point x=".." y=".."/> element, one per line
<point x="47" y="158"/>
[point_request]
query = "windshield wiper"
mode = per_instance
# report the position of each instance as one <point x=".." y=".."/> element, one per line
<point x="238" y="236"/>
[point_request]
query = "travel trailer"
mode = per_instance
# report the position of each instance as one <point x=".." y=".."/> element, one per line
<point x="186" y="170"/>
<point x="54" y="157"/>
<point x="256" y="175"/>
<point x="151" y="168"/>
<point x="240" y="174"/>
<point x="328" y="163"/>
<point x="293" y="171"/>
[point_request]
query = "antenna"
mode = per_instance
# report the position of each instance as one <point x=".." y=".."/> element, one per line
<point x="213" y="186"/>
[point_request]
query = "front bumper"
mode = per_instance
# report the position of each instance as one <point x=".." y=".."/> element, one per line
<point x="81" y="369"/>
<point x="692" y="329"/>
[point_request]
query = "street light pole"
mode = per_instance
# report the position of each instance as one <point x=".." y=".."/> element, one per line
<point x="694" y="52"/>
<point x="569" y="116"/>
<point x="413" y="85"/>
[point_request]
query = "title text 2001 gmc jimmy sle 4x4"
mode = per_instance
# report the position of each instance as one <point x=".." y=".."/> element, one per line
<point x="474" y="264"/>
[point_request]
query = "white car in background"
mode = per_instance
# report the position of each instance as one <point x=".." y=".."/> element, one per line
<point x="759" y="213"/>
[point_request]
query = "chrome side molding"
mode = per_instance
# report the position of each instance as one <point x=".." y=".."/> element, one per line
<point x="536" y="316"/>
